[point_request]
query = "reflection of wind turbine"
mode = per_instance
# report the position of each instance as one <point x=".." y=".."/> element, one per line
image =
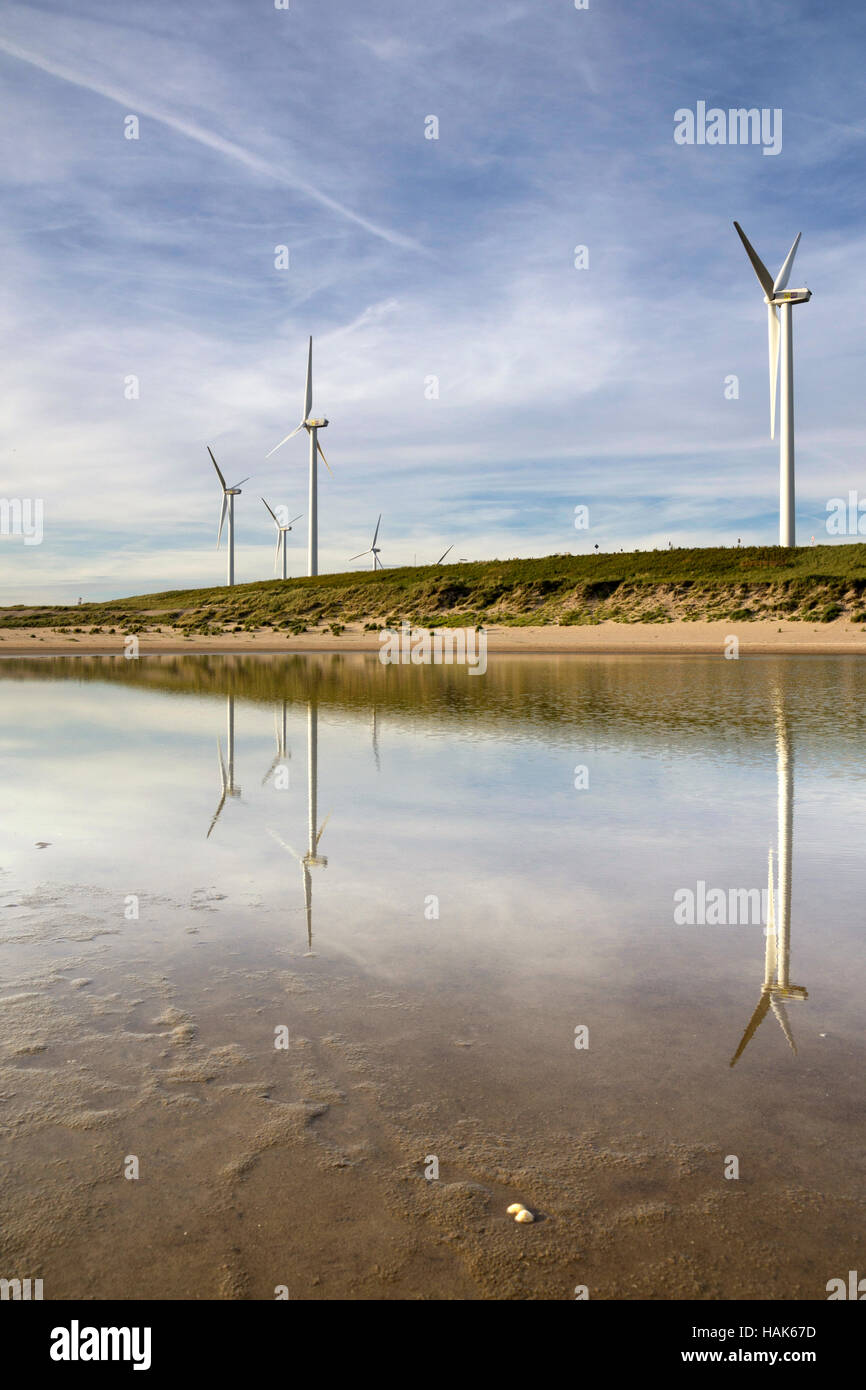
<point x="311" y="859"/>
<point x="229" y="495"/>
<point x="374" y="549"/>
<point x="227" y="773"/>
<point x="282" y="755"/>
<point x="780" y="302"/>
<point x="776" y="988"/>
<point x="282" y="536"/>
<point x="312" y="427"/>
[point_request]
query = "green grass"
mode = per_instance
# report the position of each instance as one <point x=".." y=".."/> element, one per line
<point x="815" y="583"/>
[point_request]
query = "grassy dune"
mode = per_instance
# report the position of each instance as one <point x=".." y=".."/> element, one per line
<point x="810" y="583"/>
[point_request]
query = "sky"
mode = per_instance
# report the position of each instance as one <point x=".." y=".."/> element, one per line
<point x="149" y="265"/>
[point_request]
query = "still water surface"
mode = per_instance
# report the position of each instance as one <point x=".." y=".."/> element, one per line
<point x="434" y="886"/>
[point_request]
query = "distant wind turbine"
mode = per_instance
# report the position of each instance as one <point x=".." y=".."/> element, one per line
<point x="780" y="301"/>
<point x="312" y="427"/>
<point x="374" y="549"/>
<point x="282" y="536"/>
<point x="229" y="495"/>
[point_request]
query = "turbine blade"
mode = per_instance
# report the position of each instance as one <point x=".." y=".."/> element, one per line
<point x="357" y="557"/>
<point x="752" y="1026"/>
<point x="270" y="770"/>
<point x="322" y="452"/>
<point x="216" y="815"/>
<point x="274" y="836"/>
<point x="763" y="274"/>
<point x="447" y="552"/>
<point x="222" y="519"/>
<point x="784" y="274"/>
<point x="216" y="466"/>
<point x="773" y="332"/>
<point x="285" y="441"/>
<point x="243" y="480"/>
<point x="277" y="555"/>
<point x="781" y="1014"/>
<point x="271" y="510"/>
<point x="295" y="518"/>
<point x="322" y="829"/>
<point x="376" y="532"/>
<point x="308" y="390"/>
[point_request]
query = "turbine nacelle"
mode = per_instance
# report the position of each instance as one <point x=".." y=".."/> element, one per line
<point x="315" y="424"/>
<point x="790" y="297"/>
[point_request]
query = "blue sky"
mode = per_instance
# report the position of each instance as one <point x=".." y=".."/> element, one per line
<point x="412" y="258"/>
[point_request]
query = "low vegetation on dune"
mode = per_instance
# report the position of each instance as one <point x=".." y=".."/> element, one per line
<point x="813" y="584"/>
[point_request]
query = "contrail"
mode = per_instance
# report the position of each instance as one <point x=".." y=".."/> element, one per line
<point x="201" y="136"/>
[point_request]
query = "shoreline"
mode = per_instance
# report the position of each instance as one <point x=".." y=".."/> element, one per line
<point x="760" y="638"/>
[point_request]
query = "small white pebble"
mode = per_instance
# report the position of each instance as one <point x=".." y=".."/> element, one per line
<point x="524" y="1215"/>
<point x="515" y="1208"/>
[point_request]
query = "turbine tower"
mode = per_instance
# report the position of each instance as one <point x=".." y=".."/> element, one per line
<point x="229" y="495"/>
<point x="282" y="536"/>
<point x="374" y="549"/>
<point x="312" y="427"/>
<point x="776" y="988"/>
<point x="780" y="302"/>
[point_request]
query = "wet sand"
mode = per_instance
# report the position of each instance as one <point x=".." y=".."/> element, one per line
<point x="607" y="638"/>
<point x="306" y="1167"/>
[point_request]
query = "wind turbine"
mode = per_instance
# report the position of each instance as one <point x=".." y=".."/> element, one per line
<point x="447" y="552"/>
<point x="780" y="302"/>
<point x="776" y="988"/>
<point x="227" y="773"/>
<point x="312" y="427"/>
<point x="229" y="495"/>
<point x="374" y="549"/>
<point x="282" y="536"/>
<point x="311" y="859"/>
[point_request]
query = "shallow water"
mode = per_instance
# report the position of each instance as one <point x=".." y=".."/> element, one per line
<point x="396" y="866"/>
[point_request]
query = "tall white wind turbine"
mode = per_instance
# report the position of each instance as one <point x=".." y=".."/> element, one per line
<point x="374" y="549"/>
<point x="282" y="536"/>
<point x="312" y="427"/>
<point x="229" y="495"/>
<point x="780" y="302"/>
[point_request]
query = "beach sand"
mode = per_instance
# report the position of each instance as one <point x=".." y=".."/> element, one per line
<point x="663" y="639"/>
